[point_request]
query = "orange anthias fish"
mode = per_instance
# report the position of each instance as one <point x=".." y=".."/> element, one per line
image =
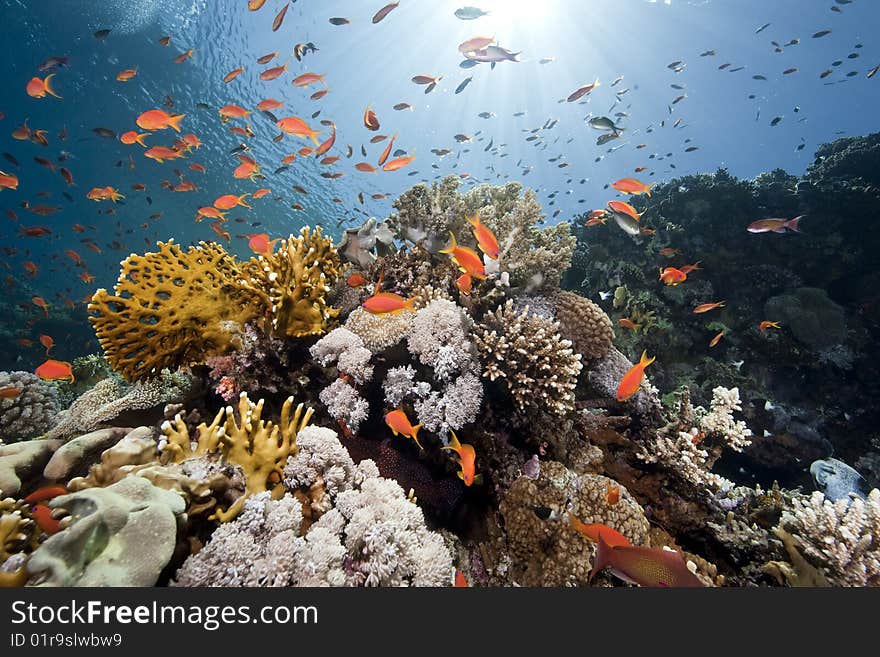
<point x="464" y="283"/>
<point x="371" y="121"/>
<point x="247" y="170"/>
<point x="399" y="423"/>
<point x="467" y="259"/>
<point x="485" y="238"/>
<point x="47" y="342"/>
<point x="625" y="322"/>
<point x="388" y="302"/>
<point x="672" y="276"/>
<point x="126" y="75"/>
<point x="221" y="232"/>
<point x="162" y="153"/>
<point x="306" y="79"/>
<point x="42" y="515"/>
<point x="272" y="73"/>
<point x="714" y="341"/>
<point x="632" y="186"/>
<point x="775" y="225"/>
<point x="38" y="88"/>
<point x="131" y="137"/>
<point x="643" y="566"/>
<point x="594" y="532"/>
<point x="210" y="212"/>
<point x="159" y="120"/>
<point x="629" y="384"/>
<point x="234" y="73"/>
<point x="182" y="57"/>
<point x="40" y="302"/>
<point x="104" y="194"/>
<point x="229" y="201"/>
<point x="763" y="326"/>
<point x="624" y="208"/>
<point x="706" y="307"/>
<point x="366" y="167"/>
<point x="466" y="459"/>
<point x="260" y="193"/>
<point x="398" y="163"/>
<point x="45" y="493"/>
<point x="356" y="280"/>
<point x="233" y="112"/>
<point x="687" y="269"/>
<point x="293" y="125"/>
<point x="10" y="393"/>
<point x="261" y="244"/>
<point x="460" y="580"/>
<point x="8" y="180"/>
<point x="55" y="370"/>
<point x="387" y="152"/>
<point x="612" y="494"/>
<point x="269" y="104"/>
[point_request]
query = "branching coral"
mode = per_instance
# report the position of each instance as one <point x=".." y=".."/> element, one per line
<point x="538" y="366"/>
<point x="842" y="537"/>
<point x="718" y="420"/>
<point x="344" y="403"/>
<point x="439" y="337"/>
<point x="365" y="532"/>
<point x="171" y="308"/>
<point x="346" y="350"/>
<point x="292" y="284"/>
<point x="111" y="398"/>
<point x="584" y="323"/>
<point x="30" y="413"/>
<point x="259" y="447"/>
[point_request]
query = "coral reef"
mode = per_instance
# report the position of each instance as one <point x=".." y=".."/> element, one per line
<point x="361" y="530"/>
<point x="583" y="323"/>
<point x="171" y="308"/>
<point x="538" y="367"/>
<point x="31" y="412"/>
<point x="122" y="535"/>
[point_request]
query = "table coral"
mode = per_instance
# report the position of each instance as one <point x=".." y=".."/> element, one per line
<point x="292" y="284"/>
<point x="29" y="414"/>
<point x="538" y="366"/>
<point x="171" y="308"/>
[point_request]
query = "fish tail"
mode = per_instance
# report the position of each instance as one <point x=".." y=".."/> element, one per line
<point x="452" y="246"/>
<point x="455" y="444"/>
<point x="175" y="120"/>
<point x="473" y="220"/>
<point x="410" y="304"/>
<point x="602" y="559"/>
<point x="793" y="224"/>
<point x="648" y="190"/>
<point x="644" y="361"/>
<point x="415" y="436"/>
<point x="140" y="139"/>
<point x="47" y="87"/>
<point x="241" y="201"/>
<point x="313" y="135"/>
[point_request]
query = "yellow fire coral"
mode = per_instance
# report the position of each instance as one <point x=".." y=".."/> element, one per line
<point x="261" y="448"/>
<point x="293" y="282"/>
<point x="171" y="308"/>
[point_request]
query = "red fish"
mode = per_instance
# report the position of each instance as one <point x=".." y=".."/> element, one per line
<point x="460" y="580"/>
<point x="706" y="307"/>
<point x="466" y="258"/>
<point x="485" y="238"/>
<point x="55" y="370"/>
<point x="594" y="532"/>
<point x="45" y="493"/>
<point x="38" y="88"/>
<point x="399" y="423"/>
<point x="356" y="280"/>
<point x="632" y="186"/>
<point x="466" y="460"/>
<point x="159" y="120"/>
<point x="643" y="566"/>
<point x="612" y="494"/>
<point x="672" y="276"/>
<point x="294" y="125"/>
<point x="399" y="163"/>
<point x="261" y="244"/>
<point x="40" y="302"/>
<point x="714" y="341"/>
<point x="388" y="302"/>
<point x="629" y="384"/>
<point x="464" y="283"/>
<point x="775" y="225"/>
<point x="763" y="326"/>
<point x="42" y="515"/>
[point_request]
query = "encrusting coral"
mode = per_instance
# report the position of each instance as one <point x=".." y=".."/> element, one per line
<point x="30" y="413"/>
<point x="292" y="284"/>
<point x="261" y="448"/>
<point x="538" y="366"/>
<point x="361" y="530"/>
<point x="171" y="308"/>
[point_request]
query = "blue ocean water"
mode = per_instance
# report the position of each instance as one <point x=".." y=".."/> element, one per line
<point x="529" y="133"/>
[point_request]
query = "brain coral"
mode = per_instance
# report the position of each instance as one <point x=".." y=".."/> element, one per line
<point x="31" y="413"/>
<point x="292" y="283"/>
<point x="545" y="550"/>
<point x="171" y="308"/>
<point x="584" y="323"/>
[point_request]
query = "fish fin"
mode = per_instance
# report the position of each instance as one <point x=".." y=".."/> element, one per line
<point x="452" y="246"/>
<point x="602" y="559"/>
<point x="478" y="479"/>
<point x="644" y="361"/>
<point x="474" y="220"/>
<point x="793" y="224"/>
<point x="410" y="304"/>
<point x="455" y="444"/>
<point x="175" y="120"/>
<point x="313" y="135"/>
<point x="47" y="87"/>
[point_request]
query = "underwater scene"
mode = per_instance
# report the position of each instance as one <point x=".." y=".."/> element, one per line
<point x="533" y="293"/>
